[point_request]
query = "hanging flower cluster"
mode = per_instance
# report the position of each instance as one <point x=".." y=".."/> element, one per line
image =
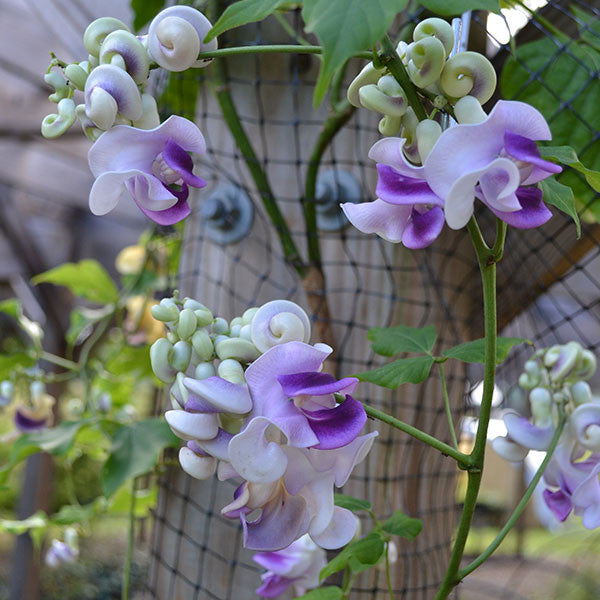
<point x="134" y="154"/>
<point x="556" y="379"/>
<point x="428" y="176"/>
<point x="266" y="415"/>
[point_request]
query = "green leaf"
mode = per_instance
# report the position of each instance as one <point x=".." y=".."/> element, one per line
<point x="12" y="307"/>
<point x="73" y="513"/>
<point x="331" y="592"/>
<point x="136" y="449"/>
<point x="57" y="441"/>
<point x="243" y="12"/>
<point x="351" y="503"/>
<point x="566" y="91"/>
<point x="81" y="321"/>
<point x="561" y="196"/>
<point x="144" y="11"/>
<point x="404" y="370"/>
<point x="450" y="8"/>
<point x="358" y="555"/>
<point x="131" y="360"/>
<point x="403" y="525"/>
<point x="145" y="501"/>
<point x="180" y="96"/>
<point x="87" y="279"/>
<point x="10" y="362"/>
<point x="474" y="352"/>
<point x="394" y="340"/>
<point x="345" y="27"/>
<point x="567" y="156"/>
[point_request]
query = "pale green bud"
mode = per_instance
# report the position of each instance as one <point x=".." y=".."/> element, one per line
<point x="77" y="75"/>
<point x="438" y="28"/>
<point x="469" y="73"/>
<point x="98" y="30"/>
<point x="541" y="405"/>
<point x="182" y="354"/>
<point x="246" y="332"/>
<point x="581" y="393"/>
<point x="236" y="321"/>
<point x="237" y="348"/>
<point x="204" y="316"/>
<point x="220" y="326"/>
<point x="232" y="371"/>
<point x="59" y="83"/>
<point x="160" y="352"/>
<point x="204" y="370"/>
<point x="192" y="304"/>
<point x="428" y="132"/>
<point x="150" y="118"/>
<point x="468" y="111"/>
<point x="165" y="311"/>
<point x="586" y="365"/>
<point x="187" y="324"/>
<point x="202" y="344"/>
<point x="249" y="315"/>
<point x="55" y="125"/>
<point x="389" y="126"/>
<point x="368" y="75"/>
<point x="172" y="337"/>
<point x="373" y="98"/>
<point x="426" y="61"/>
<point x="235" y="330"/>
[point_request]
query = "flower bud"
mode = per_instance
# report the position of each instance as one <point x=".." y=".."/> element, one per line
<point x="373" y="98"/>
<point x="468" y="73"/>
<point x="249" y="314"/>
<point x="438" y="28"/>
<point x="541" y="406"/>
<point x="204" y="370"/>
<point x="197" y="465"/>
<point x="509" y="450"/>
<point x="368" y="75"/>
<point x="277" y="322"/>
<point x="165" y="311"/>
<point x="237" y="348"/>
<point x="132" y="53"/>
<point x="77" y="75"/>
<point x="581" y="393"/>
<point x="55" y="125"/>
<point x="562" y="359"/>
<point x="532" y="375"/>
<point x="234" y="330"/>
<point x="427" y="132"/>
<point x="181" y="356"/>
<point x="59" y="83"/>
<point x="204" y="316"/>
<point x="178" y="392"/>
<point x="175" y="38"/>
<point x="426" y="61"/>
<point x="187" y="324"/>
<point x="98" y="30"/>
<point x="468" y="111"/>
<point x="202" y="345"/>
<point x="192" y="304"/>
<point x="389" y="126"/>
<point x="150" y="118"/>
<point x="586" y="365"/>
<point x="160" y="353"/>
<point x="220" y="326"/>
<point x="232" y="371"/>
<point x="246" y="332"/>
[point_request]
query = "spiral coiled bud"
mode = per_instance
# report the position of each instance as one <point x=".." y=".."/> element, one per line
<point x="425" y="61"/>
<point x="55" y="125"/>
<point x="278" y="322"/>
<point x="438" y="28"/>
<point x="468" y="73"/>
<point x="97" y="30"/>
<point x="124" y="50"/>
<point x="175" y="38"/>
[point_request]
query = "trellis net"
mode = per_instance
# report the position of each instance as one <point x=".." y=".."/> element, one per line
<point x="549" y="281"/>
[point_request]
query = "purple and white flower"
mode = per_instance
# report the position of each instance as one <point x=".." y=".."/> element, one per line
<point x="298" y="565"/>
<point x="150" y="165"/>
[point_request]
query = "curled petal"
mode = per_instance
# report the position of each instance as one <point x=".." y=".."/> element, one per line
<point x="315" y="384"/>
<point x="526" y="434"/>
<point x="427" y="133"/>
<point x="395" y="188"/>
<point x="222" y="395"/>
<point x="199" y="467"/>
<point x="423" y="228"/>
<point x="559" y="503"/>
<point x="509" y="450"/>
<point x="26" y="423"/>
<point x="389" y="126"/>
<point x="386" y="220"/>
<point x="389" y="152"/>
<point x="55" y="125"/>
<point x="175" y="38"/>
<point x="339" y="532"/>
<point x="170" y="211"/>
<point x="192" y="426"/>
<point x="278" y="322"/>
<point x="373" y="98"/>
<point x="533" y="212"/>
<point x="149" y="118"/>
<point x="130" y="49"/>
<point x="368" y="75"/>
<point x="469" y="73"/>
<point x="468" y="111"/>
<point x="586" y="499"/>
<point x="426" y="61"/>
<point x="108" y="80"/>
<point x="97" y="30"/>
<point x="181" y="162"/>
<point x="437" y="28"/>
<point x="585" y="421"/>
<point x="526" y="150"/>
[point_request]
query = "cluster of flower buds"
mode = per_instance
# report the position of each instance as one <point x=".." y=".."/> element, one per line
<point x="32" y="405"/>
<point x="112" y="81"/>
<point x="556" y="379"/>
<point x="465" y="81"/>
<point x="63" y="552"/>
<point x="251" y="401"/>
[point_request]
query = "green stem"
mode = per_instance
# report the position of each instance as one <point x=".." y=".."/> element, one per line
<point x="519" y="508"/>
<point x="272" y="49"/>
<point x="223" y="96"/>
<point x="130" y="542"/>
<point x="487" y="267"/>
<point x="59" y="361"/>
<point x="94" y="339"/>
<point x="330" y="128"/>
<point x="447" y="406"/>
<point x="390" y="59"/>
<point x="462" y="459"/>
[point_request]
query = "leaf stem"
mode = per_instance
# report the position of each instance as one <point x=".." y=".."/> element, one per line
<point x="447" y="406"/>
<point x="487" y="266"/>
<point x="130" y="542"/>
<point x="390" y="59"/>
<point x="518" y="509"/>
<point x="462" y="459"/>
<point x="230" y="114"/>
<point x="272" y="49"/>
<point x="59" y="361"/>
<point x="330" y="128"/>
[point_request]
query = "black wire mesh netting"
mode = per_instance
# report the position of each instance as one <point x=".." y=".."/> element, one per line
<point x="548" y="284"/>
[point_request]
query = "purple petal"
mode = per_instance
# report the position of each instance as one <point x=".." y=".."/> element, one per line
<point x="337" y="427"/>
<point x="526" y="150"/>
<point x="192" y="426"/>
<point x="217" y="446"/>
<point x="315" y="384"/>
<point x="395" y="188"/>
<point x="584" y="417"/>
<point x="218" y="393"/>
<point x="109" y="189"/>
<point x="559" y="503"/>
<point x="28" y="424"/>
<point x="423" y="228"/>
<point x="388" y="151"/>
<point x="273" y="585"/>
<point x="386" y="220"/>
<point x="527" y="434"/>
<point x="168" y="216"/>
<point x="339" y="532"/>
<point x="283" y="520"/>
<point x="279" y="562"/>
<point x="520" y="118"/>
<point x="532" y="214"/>
<point x="181" y="162"/>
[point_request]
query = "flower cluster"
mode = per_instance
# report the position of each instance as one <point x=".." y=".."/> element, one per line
<point x="556" y="381"/>
<point x="63" y="552"/>
<point x="32" y="405"/>
<point x="428" y="176"/>
<point x="134" y="154"/>
<point x="266" y="415"/>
